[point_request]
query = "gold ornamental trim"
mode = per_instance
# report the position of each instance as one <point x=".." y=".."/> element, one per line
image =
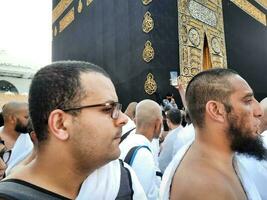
<point x="88" y="2"/>
<point x="150" y="84"/>
<point x="55" y="31"/>
<point x="148" y="22"/>
<point x="263" y="3"/>
<point x="80" y="6"/>
<point x="148" y="52"/>
<point x="60" y="8"/>
<point x="146" y="2"/>
<point x="251" y="10"/>
<point x="66" y="20"/>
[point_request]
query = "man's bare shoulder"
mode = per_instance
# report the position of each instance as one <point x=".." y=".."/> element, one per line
<point x="199" y="181"/>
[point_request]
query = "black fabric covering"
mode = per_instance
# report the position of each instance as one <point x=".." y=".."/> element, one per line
<point x="246" y="45"/>
<point x="109" y="34"/>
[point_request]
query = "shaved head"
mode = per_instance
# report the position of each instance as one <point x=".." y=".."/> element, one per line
<point x="147" y="112"/>
<point x="12" y="108"/>
<point x="130" y="110"/>
<point x="263" y="104"/>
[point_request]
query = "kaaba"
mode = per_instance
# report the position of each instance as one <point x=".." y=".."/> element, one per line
<point x="139" y="42"/>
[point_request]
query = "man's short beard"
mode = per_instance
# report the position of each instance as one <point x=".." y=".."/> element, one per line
<point x="244" y="143"/>
<point x="20" y="128"/>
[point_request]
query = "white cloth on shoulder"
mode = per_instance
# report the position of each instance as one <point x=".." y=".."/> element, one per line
<point x="104" y="183"/>
<point x="264" y="138"/>
<point x="257" y="169"/>
<point x="155" y="150"/>
<point x="128" y="126"/>
<point x="21" y="149"/>
<point x="143" y="164"/>
<point x="166" y="182"/>
<point x="166" y="153"/>
<point x="249" y="187"/>
<point x="186" y="135"/>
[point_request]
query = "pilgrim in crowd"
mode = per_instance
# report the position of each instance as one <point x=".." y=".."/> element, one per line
<point x="72" y="141"/>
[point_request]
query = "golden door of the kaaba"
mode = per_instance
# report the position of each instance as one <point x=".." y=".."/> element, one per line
<point x="201" y="36"/>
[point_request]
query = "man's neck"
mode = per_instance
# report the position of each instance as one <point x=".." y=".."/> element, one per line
<point x="147" y="132"/>
<point x="215" y="148"/>
<point x="54" y="175"/>
<point x="174" y="126"/>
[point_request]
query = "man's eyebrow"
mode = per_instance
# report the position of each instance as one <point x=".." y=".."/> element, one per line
<point x="250" y="94"/>
<point x="110" y="101"/>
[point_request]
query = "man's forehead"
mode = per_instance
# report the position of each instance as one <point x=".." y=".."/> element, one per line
<point x="23" y="111"/>
<point x="98" y="87"/>
<point x="240" y="85"/>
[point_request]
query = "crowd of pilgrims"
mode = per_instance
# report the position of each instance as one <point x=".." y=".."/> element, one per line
<point x="165" y="155"/>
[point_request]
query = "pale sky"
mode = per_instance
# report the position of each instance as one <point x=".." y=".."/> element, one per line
<point x="25" y="31"/>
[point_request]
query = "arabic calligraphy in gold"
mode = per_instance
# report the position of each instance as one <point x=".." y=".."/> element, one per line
<point x="194" y="26"/>
<point x="148" y="52"/>
<point x="88" y="2"/>
<point x="146" y="2"/>
<point x="148" y="23"/>
<point x="55" y="31"/>
<point x="66" y="20"/>
<point x="80" y="6"/>
<point x="150" y="84"/>
<point x="60" y="8"/>
<point x="251" y="10"/>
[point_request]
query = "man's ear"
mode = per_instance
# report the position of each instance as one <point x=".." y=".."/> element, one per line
<point x="12" y="119"/>
<point x="57" y="122"/>
<point x="158" y="125"/>
<point x="216" y="111"/>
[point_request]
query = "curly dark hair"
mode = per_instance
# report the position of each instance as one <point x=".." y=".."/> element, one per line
<point x="56" y="86"/>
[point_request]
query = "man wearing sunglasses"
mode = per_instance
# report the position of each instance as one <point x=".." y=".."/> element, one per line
<point x="78" y="121"/>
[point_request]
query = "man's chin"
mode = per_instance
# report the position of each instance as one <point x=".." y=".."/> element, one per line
<point x="116" y="154"/>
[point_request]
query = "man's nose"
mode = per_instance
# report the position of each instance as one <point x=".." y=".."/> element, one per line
<point x="122" y="120"/>
<point x="258" y="111"/>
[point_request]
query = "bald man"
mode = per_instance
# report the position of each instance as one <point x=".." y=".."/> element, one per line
<point x="148" y="126"/>
<point x="16" y="117"/>
<point x="130" y="110"/>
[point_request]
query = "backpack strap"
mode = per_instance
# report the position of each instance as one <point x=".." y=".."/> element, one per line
<point x="132" y="153"/>
<point x="158" y="173"/>
<point x="125" y="135"/>
<point x="126" y="190"/>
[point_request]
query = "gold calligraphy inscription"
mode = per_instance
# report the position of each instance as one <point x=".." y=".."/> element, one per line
<point x="66" y="20"/>
<point x="150" y="84"/>
<point x="80" y="6"/>
<point x="251" y="10"/>
<point x="263" y="3"/>
<point x="148" y="52"/>
<point x="55" y="31"/>
<point x="148" y="23"/>
<point x="88" y="2"/>
<point x="146" y="2"/>
<point x="59" y="9"/>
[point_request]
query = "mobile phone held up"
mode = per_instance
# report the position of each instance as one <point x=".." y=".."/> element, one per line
<point x="173" y="78"/>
